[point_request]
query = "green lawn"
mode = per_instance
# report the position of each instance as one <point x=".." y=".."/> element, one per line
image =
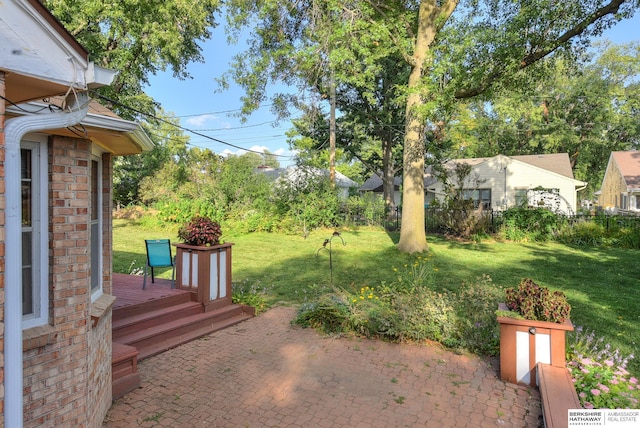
<point x="602" y="285"/>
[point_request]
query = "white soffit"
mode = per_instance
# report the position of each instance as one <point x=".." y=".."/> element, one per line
<point x="34" y="46"/>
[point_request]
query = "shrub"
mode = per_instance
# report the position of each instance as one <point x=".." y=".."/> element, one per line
<point x="599" y="373"/>
<point x="200" y="231"/>
<point x="409" y="309"/>
<point x="583" y="233"/>
<point x="251" y="294"/>
<point x="532" y="224"/>
<point x="330" y="314"/>
<point x="537" y="303"/>
<point x="477" y="327"/>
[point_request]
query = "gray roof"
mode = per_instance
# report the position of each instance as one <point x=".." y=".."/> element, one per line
<point x="294" y="174"/>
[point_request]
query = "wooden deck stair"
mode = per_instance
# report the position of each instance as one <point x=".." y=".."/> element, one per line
<point x="149" y="328"/>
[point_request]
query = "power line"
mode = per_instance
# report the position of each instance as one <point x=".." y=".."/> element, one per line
<point x="182" y="127"/>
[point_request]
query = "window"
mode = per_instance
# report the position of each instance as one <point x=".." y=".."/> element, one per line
<point x="35" y="271"/>
<point x="522" y="200"/>
<point x="478" y="196"/>
<point x="96" y="228"/>
<point x="623" y="201"/>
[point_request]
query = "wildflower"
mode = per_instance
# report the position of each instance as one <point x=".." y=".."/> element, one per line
<point x="583" y="395"/>
<point x="609" y="363"/>
<point x="588" y="405"/>
<point x="604" y="388"/>
<point x="586" y="361"/>
<point x="633" y="380"/>
<point x="595" y="391"/>
<point x="585" y="371"/>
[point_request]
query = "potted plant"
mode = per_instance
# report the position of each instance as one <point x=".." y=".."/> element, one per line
<point x="203" y="263"/>
<point x="533" y="322"/>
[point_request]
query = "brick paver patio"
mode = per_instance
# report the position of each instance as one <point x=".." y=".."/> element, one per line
<point x="266" y="373"/>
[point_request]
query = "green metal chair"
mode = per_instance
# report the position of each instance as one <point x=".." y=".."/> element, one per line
<point x="158" y="255"/>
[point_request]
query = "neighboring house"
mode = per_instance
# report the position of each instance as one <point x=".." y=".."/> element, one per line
<point x="55" y="223"/>
<point x="621" y="183"/>
<point x="501" y="182"/>
<point x="374" y="184"/>
<point x="299" y="175"/>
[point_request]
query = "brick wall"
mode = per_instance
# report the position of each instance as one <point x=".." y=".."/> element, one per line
<point x="2" y="247"/>
<point x="68" y="381"/>
<point x="99" y="393"/>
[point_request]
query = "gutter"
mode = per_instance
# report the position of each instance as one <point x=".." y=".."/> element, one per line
<point x="15" y="130"/>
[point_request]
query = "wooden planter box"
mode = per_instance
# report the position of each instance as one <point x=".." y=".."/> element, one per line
<point x="205" y="271"/>
<point x="525" y="343"/>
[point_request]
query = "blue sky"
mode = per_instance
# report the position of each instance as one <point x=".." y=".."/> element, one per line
<point x="200" y="107"/>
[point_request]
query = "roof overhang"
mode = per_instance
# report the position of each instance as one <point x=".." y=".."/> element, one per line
<point x="39" y="57"/>
<point x="114" y="134"/>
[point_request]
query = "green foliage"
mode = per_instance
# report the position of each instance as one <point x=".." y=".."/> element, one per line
<point x="601" y="232"/>
<point x="306" y="201"/>
<point x="530" y="224"/>
<point x="476" y="326"/>
<point x="537" y="303"/>
<point x="138" y="39"/>
<point x="600" y="373"/>
<point x="410" y="309"/>
<point x="457" y="214"/>
<point x="368" y="207"/>
<point x="253" y="294"/>
<point x="330" y="314"/>
<point x="183" y="210"/>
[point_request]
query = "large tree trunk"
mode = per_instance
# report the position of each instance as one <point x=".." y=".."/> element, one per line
<point x="412" y="233"/>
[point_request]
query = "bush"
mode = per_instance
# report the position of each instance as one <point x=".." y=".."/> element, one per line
<point x="530" y="224"/>
<point x="409" y="309"/>
<point x="583" y="233"/>
<point x="251" y="294"/>
<point x="330" y="314"/>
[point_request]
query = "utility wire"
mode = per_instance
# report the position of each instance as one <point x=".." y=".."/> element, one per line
<point x="182" y="127"/>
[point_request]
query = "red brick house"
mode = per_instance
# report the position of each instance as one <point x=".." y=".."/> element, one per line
<point x="55" y="223"/>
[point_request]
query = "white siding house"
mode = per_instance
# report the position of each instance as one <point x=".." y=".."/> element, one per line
<point x="501" y="182"/>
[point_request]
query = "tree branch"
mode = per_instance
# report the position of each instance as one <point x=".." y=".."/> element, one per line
<point x="609" y="9"/>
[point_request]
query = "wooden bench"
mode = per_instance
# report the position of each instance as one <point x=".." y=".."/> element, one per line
<point x="558" y="395"/>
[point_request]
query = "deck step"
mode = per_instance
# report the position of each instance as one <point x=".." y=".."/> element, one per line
<point x="151" y="305"/>
<point x="132" y="324"/>
<point x="124" y="370"/>
<point x="166" y="335"/>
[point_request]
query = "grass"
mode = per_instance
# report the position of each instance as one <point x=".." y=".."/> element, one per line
<point x="601" y="284"/>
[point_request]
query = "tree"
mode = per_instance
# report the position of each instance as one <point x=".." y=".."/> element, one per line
<point x="129" y="171"/>
<point x="137" y="39"/>
<point x="586" y="108"/>
<point x="455" y="50"/>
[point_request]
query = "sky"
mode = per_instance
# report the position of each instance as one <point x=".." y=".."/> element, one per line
<point x="202" y="107"/>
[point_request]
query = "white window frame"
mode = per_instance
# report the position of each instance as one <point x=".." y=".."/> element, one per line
<point x="96" y="156"/>
<point x="40" y="230"/>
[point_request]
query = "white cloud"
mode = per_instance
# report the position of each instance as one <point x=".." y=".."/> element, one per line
<point x="201" y="120"/>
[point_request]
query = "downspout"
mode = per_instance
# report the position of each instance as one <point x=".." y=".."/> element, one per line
<point x="15" y="130"/>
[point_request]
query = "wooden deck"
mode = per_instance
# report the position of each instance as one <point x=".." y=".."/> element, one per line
<point x="148" y="322"/>
<point x="128" y="290"/>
